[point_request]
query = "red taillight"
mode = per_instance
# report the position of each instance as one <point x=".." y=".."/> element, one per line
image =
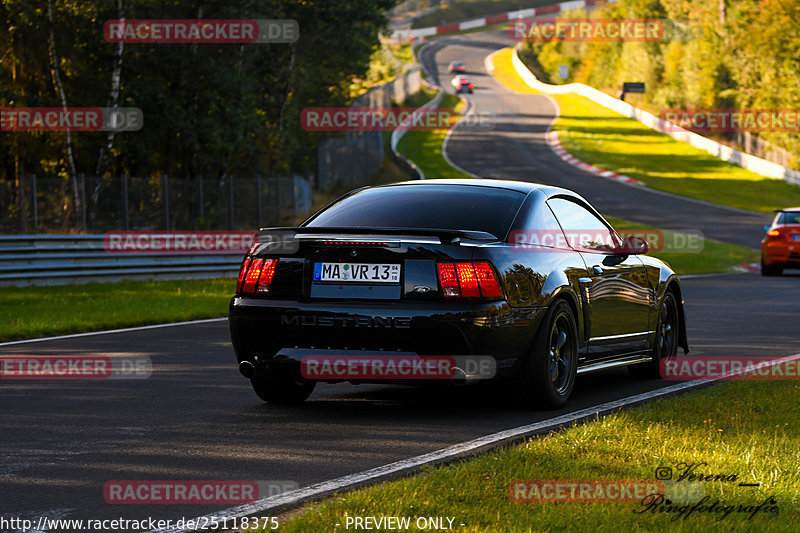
<point x="267" y="271"/>
<point x="447" y="278"/>
<point x="256" y="275"/>
<point x="469" y="280"/>
<point x="242" y="272"/>
<point x="490" y="287"/>
<point x="774" y="233"/>
<point x="470" y="86"/>
<point x="251" y="277"/>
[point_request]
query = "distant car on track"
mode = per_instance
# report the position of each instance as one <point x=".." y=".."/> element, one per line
<point x="780" y="247"/>
<point x="462" y="84"/>
<point x="456" y="66"/>
<point x="528" y="274"/>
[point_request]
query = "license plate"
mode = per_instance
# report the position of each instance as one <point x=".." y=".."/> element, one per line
<point x="796" y="237"/>
<point x="363" y="272"/>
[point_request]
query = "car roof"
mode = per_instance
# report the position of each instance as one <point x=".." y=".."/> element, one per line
<point x="788" y="210"/>
<point x="520" y="186"/>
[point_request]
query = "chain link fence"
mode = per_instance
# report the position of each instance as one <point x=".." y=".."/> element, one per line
<point x="356" y="158"/>
<point x="159" y="203"/>
<point x="96" y="205"/>
<point x="753" y="144"/>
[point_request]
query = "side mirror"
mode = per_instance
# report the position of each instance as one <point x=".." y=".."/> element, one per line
<point x="632" y="246"/>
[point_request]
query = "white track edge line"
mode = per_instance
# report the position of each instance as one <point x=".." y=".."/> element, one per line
<point x="295" y="497"/>
<point x="121" y="330"/>
<point x="375" y="474"/>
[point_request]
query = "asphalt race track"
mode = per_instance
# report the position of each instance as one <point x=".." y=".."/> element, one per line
<point x="196" y="418"/>
<point x="517" y="149"/>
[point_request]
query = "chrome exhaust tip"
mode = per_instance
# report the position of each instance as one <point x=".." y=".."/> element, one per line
<point x="459" y="377"/>
<point x="247" y="369"/>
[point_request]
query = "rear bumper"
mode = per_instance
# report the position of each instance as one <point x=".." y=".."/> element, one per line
<point x="781" y="253"/>
<point x="262" y="328"/>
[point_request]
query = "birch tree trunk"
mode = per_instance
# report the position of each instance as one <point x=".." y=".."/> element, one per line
<point x="116" y="76"/>
<point x="63" y="97"/>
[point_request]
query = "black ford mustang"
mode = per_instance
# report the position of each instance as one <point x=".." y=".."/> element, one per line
<point x="528" y="274"/>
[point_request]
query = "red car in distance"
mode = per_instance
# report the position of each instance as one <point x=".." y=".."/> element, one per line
<point x="780" y="247"/>
<point x="456" y="66"/>
<point x="462" y="84"/>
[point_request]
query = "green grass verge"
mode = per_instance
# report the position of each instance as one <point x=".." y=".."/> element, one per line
<point x="29" y="312"/>
<point x="419" y="98"/>
<point x="747" y="429"/>
<point x="424" y="147"/>
<point x="715" y="256"/>
<point x="611" y="141"/>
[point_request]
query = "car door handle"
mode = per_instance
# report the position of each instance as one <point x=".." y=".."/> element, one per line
<point x="597" y="270"/>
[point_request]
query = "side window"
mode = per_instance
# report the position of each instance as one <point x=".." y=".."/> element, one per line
<point x="584" y="231"/>
<point x="540" y="228"/>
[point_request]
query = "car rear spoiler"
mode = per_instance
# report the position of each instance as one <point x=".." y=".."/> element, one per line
<point x="447" y="236"/>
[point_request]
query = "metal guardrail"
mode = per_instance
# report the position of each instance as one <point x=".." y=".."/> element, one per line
<point x="63" y="259"/>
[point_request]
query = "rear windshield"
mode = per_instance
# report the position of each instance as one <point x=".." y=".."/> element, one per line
<point x="789" y="217"/>
<point x="452" y="207"/>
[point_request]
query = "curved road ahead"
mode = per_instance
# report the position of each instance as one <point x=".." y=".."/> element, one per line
<point x="196" y="418"/>
<point x="517" y="149"/>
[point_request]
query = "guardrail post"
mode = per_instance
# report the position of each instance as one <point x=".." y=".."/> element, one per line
<point x="230" y="202"/>
<point x="35" y="204"/>
<point x="83" y="201"/>
<point x="125" y="221"/>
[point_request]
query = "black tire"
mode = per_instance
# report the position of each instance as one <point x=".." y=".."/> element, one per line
<point x="771" y="270"/>
<point x="665" y="345"/>
<point x="549" y="370"/>
<point x="280" y="386"/>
